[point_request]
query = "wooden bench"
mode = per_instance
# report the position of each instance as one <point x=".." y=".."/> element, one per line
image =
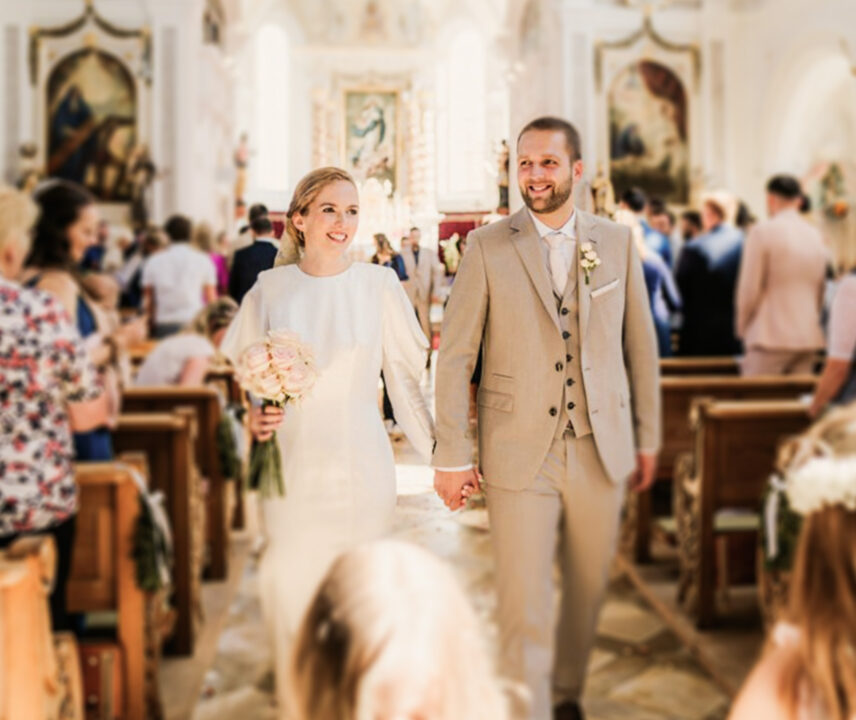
<point x="103" y="570"/>
<point x="205" y="402"/>
<point x="137" y="353"/>
<point x="678" y="394"/>
<point x="699" y="366"/>
<point x="735" y="446"/>
<point x="167" y="440"/>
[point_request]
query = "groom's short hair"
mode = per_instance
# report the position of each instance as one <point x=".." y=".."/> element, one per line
<point x="554" y="124"/>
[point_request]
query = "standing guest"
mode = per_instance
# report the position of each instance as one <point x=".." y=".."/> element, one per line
<point x="691" y="225"/>
<point x="390" y="635"/>
<point x="48" y="388"/>
<point x="130" y="276"/>
<point x="837" y="384"/>
<point x="658" y="229"/>
<point x="93" y="258"/>
<point x="425" y="277"/>
<point x="808" y="670"/>
<point x="245" y="234"/>
<point x="744" y="219"/>
<point x="183" y="359"/>
<point x="385" y="255"/>
<point x="255" y="258"/>
<point x="204" y="240"/>
<point x="66" y="227"/>
<point x="178" y="282"/>
<point x="781" y="286"/>
<point x="707" y="280"/>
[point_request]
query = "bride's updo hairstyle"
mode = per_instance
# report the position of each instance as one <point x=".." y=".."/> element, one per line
<point x="307" y="190"/>
<point x="390" y="635"/>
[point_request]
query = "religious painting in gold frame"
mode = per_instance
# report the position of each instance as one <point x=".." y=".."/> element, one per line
<point x="91" y="109"/>
<point x="372" y="138"/>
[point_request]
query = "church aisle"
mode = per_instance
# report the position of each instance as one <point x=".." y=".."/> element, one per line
<point x="638" y="670"/>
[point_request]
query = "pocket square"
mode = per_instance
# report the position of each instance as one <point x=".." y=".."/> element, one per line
<point x="605" y="288"/>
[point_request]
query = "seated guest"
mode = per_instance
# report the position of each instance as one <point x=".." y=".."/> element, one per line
<point x="389" y="635"/>
<point x="66" y="227"/>
<point x="204" y="240"/>
<point x="183" y="359"/>
<point x="254" y="259"/>
<point x="780" y="287"/>
<point x="177" y="282"/>
<point x="808" y="670"/>
<point x="49" y="389"/>
<point x="837" y="384"/>
<point x="707" y="279"/>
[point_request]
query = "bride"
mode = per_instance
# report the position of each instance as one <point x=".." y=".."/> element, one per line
<point x="337" y="462"/>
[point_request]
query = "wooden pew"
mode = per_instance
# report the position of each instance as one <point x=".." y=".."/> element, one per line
<point x="167" y="440"/>
<point x="137" y="353"/>
<point x="678" y="394"/>
<point x="735" y="446"/>
<point x="699" y="366"/>
<point x="103" y="571"/>
<point x="205" y="402"/>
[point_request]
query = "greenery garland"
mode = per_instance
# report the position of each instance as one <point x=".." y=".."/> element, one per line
<point x="151" y="551"/>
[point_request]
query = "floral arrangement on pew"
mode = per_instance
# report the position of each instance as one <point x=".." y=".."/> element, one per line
<point x="278" y="369"/>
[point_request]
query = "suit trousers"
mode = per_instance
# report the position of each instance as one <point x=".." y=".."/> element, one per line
<point x="760" y="361"/>
<point x="569" y="515"/>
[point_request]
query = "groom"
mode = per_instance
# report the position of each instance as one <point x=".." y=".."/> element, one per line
<point x="568" y="409"/>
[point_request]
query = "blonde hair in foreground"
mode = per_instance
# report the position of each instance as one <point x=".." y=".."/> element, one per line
<point x="304" y="195"/>
<point x="822" y="601"/>
<point x="390" y="636"/>
<point x="18" y="214"/>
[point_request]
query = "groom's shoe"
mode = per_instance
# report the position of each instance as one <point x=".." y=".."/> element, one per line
<point x="568" y="711"/>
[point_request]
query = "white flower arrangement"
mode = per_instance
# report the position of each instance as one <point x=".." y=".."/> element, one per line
<point x="589" y="260"/>
<point x="822" y="482"/>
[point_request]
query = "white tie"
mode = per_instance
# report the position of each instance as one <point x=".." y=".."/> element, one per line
<point x="558" y="262"/>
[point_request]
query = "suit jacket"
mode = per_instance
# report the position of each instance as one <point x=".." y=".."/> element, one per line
<point x="247" y="264"/>
<point x="707" y="280"/>
<point x="503" y="297"/>
<point x="424" y="278"/>
<point x="781" y="285"/>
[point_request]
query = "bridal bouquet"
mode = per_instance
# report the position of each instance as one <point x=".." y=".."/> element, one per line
<point x="278" y="369"/>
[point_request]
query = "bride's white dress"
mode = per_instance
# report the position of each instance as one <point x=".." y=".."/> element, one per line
<point x="337" y="461"/>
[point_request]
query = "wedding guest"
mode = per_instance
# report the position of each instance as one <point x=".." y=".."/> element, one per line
<point x="691" y="226"/>
<point x="177" y="282"/>
<point x="390" y="635"/>
<point x="66" y="227"/>
<point x="808" y="669"/>
<point x="658" y="229"/>
<point x="204" y="240"/>
<point x="837" y="384"/>
<point x="780" y="287"/>
<point x="49" y="389"/>
<point x="184" y="358"/>
<point x="253" y="259"/>
<point x="245" y="234"/>
<point x="425" y="275"/>
<point x="744" y="219"/>
<point x="385" y="255"/>
<point x="130" y="277"/>
<point x="707" y="280"/>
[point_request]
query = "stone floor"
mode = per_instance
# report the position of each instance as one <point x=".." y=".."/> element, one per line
<point x="639" y="668"/>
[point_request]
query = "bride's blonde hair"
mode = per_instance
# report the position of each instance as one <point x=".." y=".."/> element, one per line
<point x="822" y="595"/>
<point x="307" y="190"/>
<point x="390" y="635"/>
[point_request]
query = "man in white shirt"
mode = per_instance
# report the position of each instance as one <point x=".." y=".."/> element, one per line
<point x="177" y="282"/>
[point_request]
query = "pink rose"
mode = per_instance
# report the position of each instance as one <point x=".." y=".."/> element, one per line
<point x="299" y="380"/>
<point x="254" y="358"/>
<point x="284" y="358"/>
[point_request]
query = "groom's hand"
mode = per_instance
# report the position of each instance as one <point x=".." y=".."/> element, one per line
<point x="643" y="477"/>
<point x="456" y="486"/>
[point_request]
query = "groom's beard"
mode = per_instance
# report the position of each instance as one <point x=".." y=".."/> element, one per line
<point x="558" y="196"/>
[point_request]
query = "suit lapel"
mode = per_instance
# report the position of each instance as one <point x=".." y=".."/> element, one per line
<point x="584" y="235"/>
<point x="527" y="243"/>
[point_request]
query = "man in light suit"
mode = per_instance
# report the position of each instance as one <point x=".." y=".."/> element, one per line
<point x="568" y="409"/>
<point x="780" y="287"/>
<point x="425" y="277"/>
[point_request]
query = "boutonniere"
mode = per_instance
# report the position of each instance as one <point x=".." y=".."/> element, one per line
<point x="588" y="260"/>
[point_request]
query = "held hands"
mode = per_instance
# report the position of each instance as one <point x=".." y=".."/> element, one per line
<point x="454" y="488"/>
<point x="265" y="421"/>
<point x="643" y="477"/>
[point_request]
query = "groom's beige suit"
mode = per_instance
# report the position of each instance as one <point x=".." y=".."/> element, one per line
<point x="569" y="393"/>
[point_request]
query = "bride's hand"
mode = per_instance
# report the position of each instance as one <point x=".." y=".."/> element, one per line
<point x="265" y="421"/>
